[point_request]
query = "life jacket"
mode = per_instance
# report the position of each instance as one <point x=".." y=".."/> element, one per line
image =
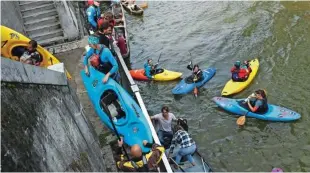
<point x="148" y="163"/>
<point x="263" y="108"/>
<point x="95" y="58"/>
<point x="239" y="73"/>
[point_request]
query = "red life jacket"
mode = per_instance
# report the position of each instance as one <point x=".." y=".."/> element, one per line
<point x="241" y="72"/>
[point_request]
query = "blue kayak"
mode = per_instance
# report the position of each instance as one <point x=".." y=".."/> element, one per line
<point x="274" y="113"/>
<point x="127" y="115"/>
<point x="187" y="85"/>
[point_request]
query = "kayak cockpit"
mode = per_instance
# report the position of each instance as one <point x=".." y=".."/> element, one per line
<point x="190" y="79"/>
<point x="110" y="103"/>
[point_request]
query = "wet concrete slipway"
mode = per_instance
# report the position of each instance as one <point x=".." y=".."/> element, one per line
<point x="217" y="34"/>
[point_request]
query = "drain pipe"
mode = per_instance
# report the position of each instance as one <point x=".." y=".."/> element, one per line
<point x="135" y="89"/>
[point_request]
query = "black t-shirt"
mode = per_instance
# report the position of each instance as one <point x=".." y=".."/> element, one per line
<point x="104" y="40"/>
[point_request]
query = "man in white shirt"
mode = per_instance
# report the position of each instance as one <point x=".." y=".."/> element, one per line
<point x="164" y="119"/>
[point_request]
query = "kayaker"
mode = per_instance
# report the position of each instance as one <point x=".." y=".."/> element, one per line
<point x="258" y="102"/>
<point x="93" y="14"/>
<point x="150" y="69"/>
<point x="121" y="43"/>
<point x="108" y="16"/>
<point x="239" y="74"/>
<point x="30" y="55"/>
<point x="140" y="162"/>
<point x="246" y="65"/>
<point x="165" y="120"/>
<point x="101" y="58"/>
<point x="197" y="73"/>
<point x="187" y="145"/>
<point x="104" y="32"/>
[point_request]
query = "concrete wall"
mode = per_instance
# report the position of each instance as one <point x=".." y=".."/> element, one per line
<point x="11" y="16"/>
<point x="43" y="125"/>
<point x="68" y="19"/>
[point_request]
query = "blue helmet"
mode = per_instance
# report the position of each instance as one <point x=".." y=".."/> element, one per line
<point x="237" y="63"/>
<point x="92" y="39"/>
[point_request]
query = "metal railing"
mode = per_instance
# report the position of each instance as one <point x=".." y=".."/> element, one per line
<point x="135" y="89"/>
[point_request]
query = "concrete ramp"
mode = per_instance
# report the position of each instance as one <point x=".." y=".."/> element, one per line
<point x="44" y="127"/>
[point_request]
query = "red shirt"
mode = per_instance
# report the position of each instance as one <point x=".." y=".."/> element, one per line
<point x="102" y="20"/>
<point x="122" y="45"/>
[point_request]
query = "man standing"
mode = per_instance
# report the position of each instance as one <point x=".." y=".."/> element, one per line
<point x="165" y="119"/>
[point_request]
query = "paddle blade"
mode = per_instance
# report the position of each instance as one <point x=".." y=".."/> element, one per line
<point x="144" y="5"/>
<point x="196" y="91"/>
<point x="241" y="121"/>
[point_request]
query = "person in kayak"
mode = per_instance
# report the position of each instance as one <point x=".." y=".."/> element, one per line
<point x="93" y="14"/>
<point x="196" y="72"/>
<point x="165" y="120"/>
<point x="140" y="162"/>
<point x="150" y="69"/>
<point x="239" y="73"/>
<point x="30" y="55"/>
<point x="101" y="58"/>
<point x="187" y="145"/>
<point x="257" y="102"/>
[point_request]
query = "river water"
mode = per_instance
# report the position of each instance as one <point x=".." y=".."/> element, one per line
<point x="217" y="34"/>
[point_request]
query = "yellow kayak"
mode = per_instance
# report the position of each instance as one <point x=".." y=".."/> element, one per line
<point x="232" y="87"/>
<point x="161" y="75"/>
<point x="11" y="39"/>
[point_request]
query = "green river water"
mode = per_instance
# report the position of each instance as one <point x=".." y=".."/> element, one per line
<point x="217" y="34"/>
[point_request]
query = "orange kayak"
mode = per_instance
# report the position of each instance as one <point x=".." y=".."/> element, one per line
<point x="161" y="75"/>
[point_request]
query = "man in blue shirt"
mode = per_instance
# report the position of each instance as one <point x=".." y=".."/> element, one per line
<point x="93" y="14"/>
<point x="108" y="64"/>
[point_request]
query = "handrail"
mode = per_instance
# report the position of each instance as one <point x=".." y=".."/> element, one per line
<point x="135" y="89"/>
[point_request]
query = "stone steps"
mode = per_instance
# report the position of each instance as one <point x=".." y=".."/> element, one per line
<point x="42" y="22"/>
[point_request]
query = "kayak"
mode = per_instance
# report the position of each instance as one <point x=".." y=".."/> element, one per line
<point x="161" y="75"/>
<point x="11" y="39"/>
<point x="201" y="164"/>
<point x="120" y="30"/>
<point x="274" y="113"/>
<point x="127" y="115"/>
<point x="136" y="10"/>
<point x="187" y="85"/>
<point x="232" y="87"/>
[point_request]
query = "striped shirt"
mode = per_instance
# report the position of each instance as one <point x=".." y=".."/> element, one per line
<point x="181" y="137"/>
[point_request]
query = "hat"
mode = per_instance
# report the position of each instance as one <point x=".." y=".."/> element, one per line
<point x="92" y="39"/>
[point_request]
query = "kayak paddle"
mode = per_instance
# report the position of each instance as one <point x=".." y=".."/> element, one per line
<point x="113" y="125"/>
<point x="241" y="119"/>
<point x="144" y="5"/>
<point x="177" y="164"/>
<point x="195" y="91"/>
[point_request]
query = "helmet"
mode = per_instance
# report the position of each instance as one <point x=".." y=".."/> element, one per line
<point x="92" y="39"/>
<point x="237" y="63"/>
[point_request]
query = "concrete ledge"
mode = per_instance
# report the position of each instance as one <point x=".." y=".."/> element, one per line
<point x="14" y="71"/>
<point x="59" y="48"/>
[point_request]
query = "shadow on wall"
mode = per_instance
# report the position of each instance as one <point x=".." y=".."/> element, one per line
<point x="44" y="127"/>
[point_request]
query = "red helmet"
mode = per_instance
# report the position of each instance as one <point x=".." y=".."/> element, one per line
<point x="90" y="2"/>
